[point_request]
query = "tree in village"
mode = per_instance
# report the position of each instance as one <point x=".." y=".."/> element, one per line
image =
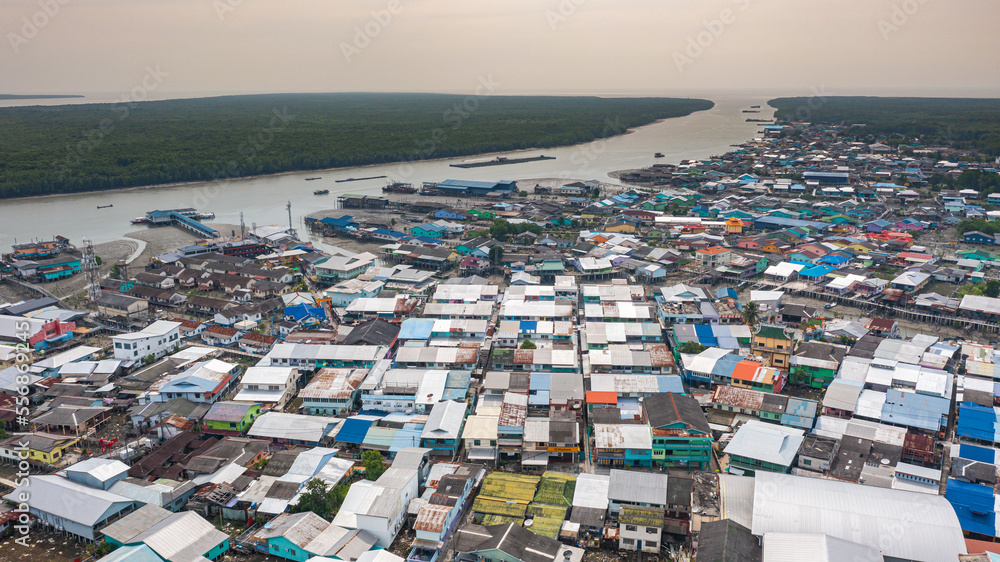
<point x="374" y="465"/>
<point x="496" y="254"/>
<point x="751" y="314"/>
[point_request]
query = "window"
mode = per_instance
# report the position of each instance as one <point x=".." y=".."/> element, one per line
<point x="652" y="531"/>
<point x="630" y="527"/>
<point x="651" y="544"/>
<point x="628" y="541"/>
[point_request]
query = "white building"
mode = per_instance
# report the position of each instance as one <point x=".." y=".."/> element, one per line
<point x="156" y="339"/>
<point x="269" y="386"/>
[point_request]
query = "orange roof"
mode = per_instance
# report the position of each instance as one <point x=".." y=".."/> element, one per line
<point x="601" y="397"/>
<point x="735" y="221"/>
<point x="714" y="250"/>
<point x="746" y="370"/>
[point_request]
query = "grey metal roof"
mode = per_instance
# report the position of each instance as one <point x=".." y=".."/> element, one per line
<point x="727" y="541"/>
<point x="638" y="487"/>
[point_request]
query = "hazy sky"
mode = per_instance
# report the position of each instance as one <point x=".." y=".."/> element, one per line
<point x="566" y="46"/>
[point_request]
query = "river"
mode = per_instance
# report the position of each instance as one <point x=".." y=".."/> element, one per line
<point x="262" y="199"/>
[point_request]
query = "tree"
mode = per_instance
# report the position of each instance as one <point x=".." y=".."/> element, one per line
<point x="374" y="465"/>
<point x="992" y="289"/>
<point x="3" y="431"/>
<point x="392" y="222"/>
<point x="751" y="314"/>
<point x="116" y="271"/>
<point x="691" y="348"/>
<point x="528" y="344"/>
<point x="149" y="359"/>
<point x="496" y="255"/>
<point x="316" y="499"/>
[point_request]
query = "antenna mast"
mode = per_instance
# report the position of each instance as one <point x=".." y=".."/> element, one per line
<point x="89" y="265"/>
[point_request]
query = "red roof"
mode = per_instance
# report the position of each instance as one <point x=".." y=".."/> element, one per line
<point x="222" y="330"/>
<point x="601" y="397"/>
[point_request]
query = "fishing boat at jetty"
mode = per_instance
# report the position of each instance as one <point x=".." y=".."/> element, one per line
<point x="321" y="192"/>
<point x="313" y="179"/>
<point x="399" y="187"/>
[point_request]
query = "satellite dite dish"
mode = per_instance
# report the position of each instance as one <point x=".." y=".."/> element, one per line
<point x="884" y="462"/>
<point x="528" y="522"/>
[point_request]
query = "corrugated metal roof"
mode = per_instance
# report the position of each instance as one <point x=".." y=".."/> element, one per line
<point x="865" y="515"/>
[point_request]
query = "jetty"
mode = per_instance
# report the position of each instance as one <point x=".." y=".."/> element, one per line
<point x="177" y="217"/>
<point x="359" y="179"/>
<point x="502" y="161"/>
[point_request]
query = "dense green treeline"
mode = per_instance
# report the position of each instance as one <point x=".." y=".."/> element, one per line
<point x="963" y="123"/>
<point x="60" y="149"/>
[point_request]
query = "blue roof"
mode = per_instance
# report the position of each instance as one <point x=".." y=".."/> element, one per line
<point x="304" y="310"/>
<point x="725" y="365"/>
<point x="408" y="436"/>
<point x="540" y="398"/>
<point x="540" y="381"/>
<point x="977" y="453"/>
<point x="725" y="292"/>
<point x="528" y="326"/>
<point x="914" y="410"/>
<point x="343" y="221"/>
<point x="833" y="259"/>
<point x="705" y="335"/>
<point x="669" y="383"/>
<point x="353" y="430"/>
<point x="974" y="506"/>
<point x="416" y="329"/>
<point x="815" y="271"/>
<point x="977" y="422"/>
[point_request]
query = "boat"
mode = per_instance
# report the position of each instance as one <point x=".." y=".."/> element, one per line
<point x="321" y="192"/>
<point x="658" y="155"/>
<point x="754" y="107"/>
<point x="313" y="179"/>
<point x="139" y="220"/>
<point x="203" y="216"/>
<point x="104" y="206"/>
<point x="399" y="187"/>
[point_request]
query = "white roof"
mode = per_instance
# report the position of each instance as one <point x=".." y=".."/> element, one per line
<point x="154" y="330"/>
<point x="101" y="469"/>
<point x="292" y="426"/>
<point x="792" y="547"/>
<point x="842" y="395"/>
<point x="900" y="524"/>
<point x="67" y="499"/>
<point x="870" y="404"/>
<point x="784" y="269"/>
<point x="68" y="356"/>
<point x="267" y="375"/>
<point x="766" y="442"/>
<point x="591" y="491"/>
<point x="481" y="427"/>
<point x="736" y="498"/>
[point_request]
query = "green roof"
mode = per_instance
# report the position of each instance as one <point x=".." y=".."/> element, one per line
<point x="775" y="332"/>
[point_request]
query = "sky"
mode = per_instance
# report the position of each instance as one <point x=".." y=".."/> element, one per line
<point x="165" y="48"/>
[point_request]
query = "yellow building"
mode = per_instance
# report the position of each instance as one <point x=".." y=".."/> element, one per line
<point x="42" y="448"/>
<point x="734" y="226"/>
<point x="622" y="227"/>
<point x="773" y="343"/>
